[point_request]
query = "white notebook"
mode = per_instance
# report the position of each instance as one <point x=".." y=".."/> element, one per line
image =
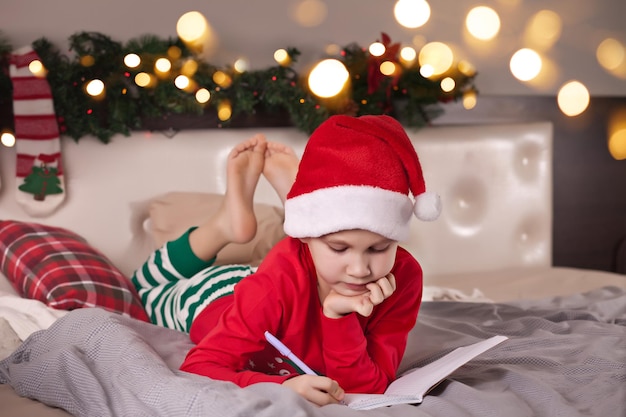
<point x="411" y="387"/>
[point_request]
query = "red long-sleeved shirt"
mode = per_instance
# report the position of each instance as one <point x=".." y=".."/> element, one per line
<point x="361" y="353"/>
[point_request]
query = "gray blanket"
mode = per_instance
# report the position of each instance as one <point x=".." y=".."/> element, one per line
<point x="565" y="357"/>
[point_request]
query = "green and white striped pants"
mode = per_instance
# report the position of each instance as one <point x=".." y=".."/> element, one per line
<point x="175" y="286"/>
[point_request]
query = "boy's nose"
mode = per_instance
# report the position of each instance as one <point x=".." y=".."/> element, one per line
<point x="359" y="267"/>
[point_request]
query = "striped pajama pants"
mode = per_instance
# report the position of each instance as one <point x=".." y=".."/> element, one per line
<point x="174" y="300"/>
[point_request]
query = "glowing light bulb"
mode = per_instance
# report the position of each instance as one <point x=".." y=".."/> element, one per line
<point x="163" y="65"/>
<point x="427" y="70"/>
<point x="282" y="57"/>
<point x="309" y="13"/>
<point x="617" y="144"/>
<point x="617" y="134"/>
<point x="387" y="68"/>
<point x="377" y="49"/>
<point x="573" y="98"/>
<point x="224" y="110"/>
<point x="408" y="54"/>
<point x="143" y="79"/>
<point x="438" y="56"/>
<point x="412" y="13"/>
<point x="525" y="64"/>
<point x="241" y="65"/>
<point x="203" y="95"/>
<point x="611" y="54"/>
<point x="132" y="60"/>
<point x="447" y="84"/>
<point x="328" y="78"/>
<point x="94" y="87"/>
<point x="189" y="68"/>
<point x="469" y="100"/>
<point x="483" y="22"/>
<point x="7" y="139"/>
<point x="37" y="68"/>
<point x="191" y="26"/>
<point x="543" y="29"/>
<point x="181" y="82"/>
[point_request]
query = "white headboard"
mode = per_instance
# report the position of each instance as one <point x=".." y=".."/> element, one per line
<point x="495" y="182"/>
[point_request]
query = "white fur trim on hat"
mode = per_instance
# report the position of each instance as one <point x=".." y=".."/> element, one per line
<point x="333" y="209"/>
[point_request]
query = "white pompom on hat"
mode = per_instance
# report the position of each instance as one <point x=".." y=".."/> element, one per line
<point x="358" y="173"/>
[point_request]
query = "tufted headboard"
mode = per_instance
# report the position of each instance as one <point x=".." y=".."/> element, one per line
<point x="495" y="182"/>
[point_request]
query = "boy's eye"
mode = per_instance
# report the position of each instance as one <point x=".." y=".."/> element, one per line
<point x="337" y="249"/>
<point x="378" y="249"/>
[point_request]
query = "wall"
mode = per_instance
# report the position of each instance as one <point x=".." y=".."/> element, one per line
<point x="590" y="208"/>
<point x="255" y="29"/>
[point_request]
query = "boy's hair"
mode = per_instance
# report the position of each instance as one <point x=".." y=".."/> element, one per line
<point x="358" y="173"/>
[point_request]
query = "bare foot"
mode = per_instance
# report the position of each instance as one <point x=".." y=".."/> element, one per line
<point x="281" y="166"/>
<point x="244" y="167"/>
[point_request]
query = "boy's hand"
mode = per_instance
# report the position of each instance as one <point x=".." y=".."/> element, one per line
<point x="337" y="305"/>
<point x="319" y="390"/>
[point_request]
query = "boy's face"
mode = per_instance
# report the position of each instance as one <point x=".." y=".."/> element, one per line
<point x="347" y="261"/>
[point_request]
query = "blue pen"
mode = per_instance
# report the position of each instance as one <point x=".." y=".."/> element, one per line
<point x="285" y="351"/>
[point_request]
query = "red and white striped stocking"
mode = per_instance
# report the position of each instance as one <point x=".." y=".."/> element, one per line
<point x="40" y="184"/>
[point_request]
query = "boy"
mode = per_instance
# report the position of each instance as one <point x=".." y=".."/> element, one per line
<point x="338" y="291"/>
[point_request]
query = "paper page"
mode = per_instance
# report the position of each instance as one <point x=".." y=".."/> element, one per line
<point x="412" y="386"/>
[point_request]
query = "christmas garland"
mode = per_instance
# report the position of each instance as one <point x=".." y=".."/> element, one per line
<point x="278" y="91"/>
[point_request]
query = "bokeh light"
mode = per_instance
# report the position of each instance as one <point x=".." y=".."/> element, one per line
<point x="419" y="41"/>
<point x="224" y="110"/>
<point x="611" y="55"/>
<point x="94" y="87"/>
<point x="182" y="82"/>
<point x="281" y="56"/>
<point x="412" y="13"/>
<point x="203" y="96"/>
<point x="408" y="54"/>
<point x="387" y="68"/>
<point x="189" y="68"/>
<point x="87" y="61"/>
<point x="132" y="60"/>
<point x="573" y="98"/>
<point x="483" y="22"/>
<point x="37" y="68"/>
<point x="241" y="65"/>
<point x="7" y="139"/>
<point x="328" y="78"/>
<point x="143" y="79"/>
<point x="525" y="64"/>
<point x="617" y="134"/>
<point x="194" y="29"/>
<point x="377" y="49"/>
<point x="543" y="30"/>
<point x="448" y="84"/>
<point x="437" y="55"/>
<point x="309" y="13"/>
<point x="174" y="52"/>
<point x="470" y="99"/>
<point x="466" y="68"/>
<point x="163" y="65"/>
<point x="427" y="70"/>
<point x="222" y="79"/>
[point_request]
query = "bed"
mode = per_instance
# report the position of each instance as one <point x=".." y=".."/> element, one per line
<point x="84" y="349"/>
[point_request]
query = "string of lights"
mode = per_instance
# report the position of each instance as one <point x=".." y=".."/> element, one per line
<point x="106" y="87"/>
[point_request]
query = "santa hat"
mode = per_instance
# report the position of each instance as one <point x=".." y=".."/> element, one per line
<point x="358" y="173"/>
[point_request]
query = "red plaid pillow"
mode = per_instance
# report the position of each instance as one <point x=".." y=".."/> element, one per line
<point x="60" y="269"/>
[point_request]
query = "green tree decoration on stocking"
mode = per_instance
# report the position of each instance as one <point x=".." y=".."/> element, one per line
<point x="42" y="181"/>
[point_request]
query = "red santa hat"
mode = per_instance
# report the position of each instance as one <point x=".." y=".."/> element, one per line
<point x="358" y="173"/>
